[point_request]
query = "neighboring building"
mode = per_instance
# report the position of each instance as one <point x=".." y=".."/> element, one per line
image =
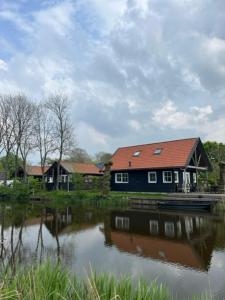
<point x="35" y="171"/>
<point x="159" y="167"/>
<point x="66" y="170"/>
<point x="32" y="171"/>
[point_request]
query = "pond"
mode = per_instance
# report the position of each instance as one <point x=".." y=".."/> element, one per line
<point x="184" y="250"/>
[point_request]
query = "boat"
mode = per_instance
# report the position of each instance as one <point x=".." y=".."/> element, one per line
<point x="190" y="205"/>
<point x="176" y="204"/>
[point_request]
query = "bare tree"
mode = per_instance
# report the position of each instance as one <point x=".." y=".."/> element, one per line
<point x="23" y="114"/>
<point x="45" y="136"/>
<point x="8" y="127"/>
<point x="64" y="136"/>
<point x="1" y="123"/>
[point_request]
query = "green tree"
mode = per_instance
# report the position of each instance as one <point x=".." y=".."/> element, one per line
<point x="9" y="163"/>
<point x="79" y="155"/>
<point x="216" y="154"/>
<point x="103" y="157"/>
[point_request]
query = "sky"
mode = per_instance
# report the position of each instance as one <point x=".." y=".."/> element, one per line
<point x="136" y="71"/>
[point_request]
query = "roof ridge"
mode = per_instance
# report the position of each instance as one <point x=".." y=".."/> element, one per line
<point x="168" y="141"/>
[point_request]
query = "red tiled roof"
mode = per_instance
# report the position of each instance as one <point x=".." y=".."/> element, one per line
<point x="82" y="168"/>
<point x="35" y="170"/>
<point x="173" y="154"/>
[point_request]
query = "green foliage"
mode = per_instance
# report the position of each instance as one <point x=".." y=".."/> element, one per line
<point x="78" y="181"/>
<point x="11" y="164"/>
<point x="52" y="282"/>
<point x="106" y="180"/>
<point x="79" y="155"/>
<point x="103" y="157"/>
<point x="34" y="184"/>
<point x="216" y="154"/>
<point x="18" y="191"/>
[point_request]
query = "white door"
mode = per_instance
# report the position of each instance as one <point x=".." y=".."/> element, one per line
<point x="186" y="181"/>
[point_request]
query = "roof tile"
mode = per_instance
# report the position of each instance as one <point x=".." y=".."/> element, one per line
<point x="173" y="154"/>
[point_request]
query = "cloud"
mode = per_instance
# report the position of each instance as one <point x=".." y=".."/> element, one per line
<point x="169" y="115"/>
<point x="3" y="65"/>
<point x="118" y="62"/>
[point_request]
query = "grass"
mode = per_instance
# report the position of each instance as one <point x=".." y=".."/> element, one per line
<point x="51" y="282"/>
<point x="94" y="198"/>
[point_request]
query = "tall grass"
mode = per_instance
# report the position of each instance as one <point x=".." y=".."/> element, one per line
<point x="48" y="282"/>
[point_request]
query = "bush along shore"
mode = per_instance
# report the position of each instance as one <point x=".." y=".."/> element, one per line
<point x="23" y="193"/>
<point x="52" y="282"/>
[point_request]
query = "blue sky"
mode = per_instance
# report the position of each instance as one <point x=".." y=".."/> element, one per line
<point x="136" y="71"/>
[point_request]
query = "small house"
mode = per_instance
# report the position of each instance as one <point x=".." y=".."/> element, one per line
<point x="169" y="166"/>
<point x="66" y="171"/>
<point x="35" y="171"/>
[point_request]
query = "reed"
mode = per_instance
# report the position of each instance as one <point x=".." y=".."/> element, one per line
<point x="49" y="282"/>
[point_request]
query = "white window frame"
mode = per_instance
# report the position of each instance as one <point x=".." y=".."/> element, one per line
<point x="122" y="223"/>
<point x="194" y="178"/>
<point x="154" y="227"/>
<point x="64" y="178"/>
<point x="121" y="181"/>
<point x="176" y="173"/>
<point x="49" y="179"/>
<point x="169" y="229"/>
<point x="136" y="153"/>
<point x="164" y="177"/>
<point x="149" y="179"/>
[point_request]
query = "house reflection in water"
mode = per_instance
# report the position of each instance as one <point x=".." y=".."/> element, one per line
<point x="56" y="221"/>
<point x="183" y="239"/>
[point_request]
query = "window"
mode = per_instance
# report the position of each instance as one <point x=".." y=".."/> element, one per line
<point x="157" y="151"/>
<point x="137" y="153"/>
<point x="154" y="226"/>
<point x="121" y="178"/>
<point x="63" y="178"/>
<point x="152" y="177"/>
<point x="176" y="177"/>
<point x="169" y="229"/>
<point x="50" y="179"/>
<point x="122" y="223"/>
<point x="167" y="177"/>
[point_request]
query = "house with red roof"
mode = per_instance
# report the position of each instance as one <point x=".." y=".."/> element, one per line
<point x="169" y="166"/>
<point x="66" y="171"/>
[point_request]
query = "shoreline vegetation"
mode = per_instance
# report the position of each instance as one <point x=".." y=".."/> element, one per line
<point x="22" y="193"/>
<point x="52" y="282"/>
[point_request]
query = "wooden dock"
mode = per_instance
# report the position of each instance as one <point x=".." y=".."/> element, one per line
<point x="171" y="202"/>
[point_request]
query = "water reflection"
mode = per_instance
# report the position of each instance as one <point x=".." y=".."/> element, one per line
<point x="184" y="239"/>
<point x="33" y="234"/>
<point x="184" y="250"/>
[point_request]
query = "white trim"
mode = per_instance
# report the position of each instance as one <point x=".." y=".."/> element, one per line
<point x="154" y="226"/>
<point x="197" y="168"/>
<point x="154" y="181"/>
<point x="122" y="223"/>
<point x="169" y="229"/>
<point x="121" y="181"/>
<point x="194" y="178"/>
<point x="177" y="173"/>
<point x="164" y="179"/>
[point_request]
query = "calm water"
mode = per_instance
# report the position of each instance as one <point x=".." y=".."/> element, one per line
<point x="186" y="251"/>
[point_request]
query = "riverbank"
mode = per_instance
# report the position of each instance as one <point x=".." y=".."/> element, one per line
<point x="53" y="282"/>
<point x="22" y="193"/>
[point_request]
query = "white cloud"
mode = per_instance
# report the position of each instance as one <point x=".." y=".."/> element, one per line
<point x="169" y="115"/>
<point x="88" y="137"/>
<point x="3" y="65"/>
<point x="118" y="61"/>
